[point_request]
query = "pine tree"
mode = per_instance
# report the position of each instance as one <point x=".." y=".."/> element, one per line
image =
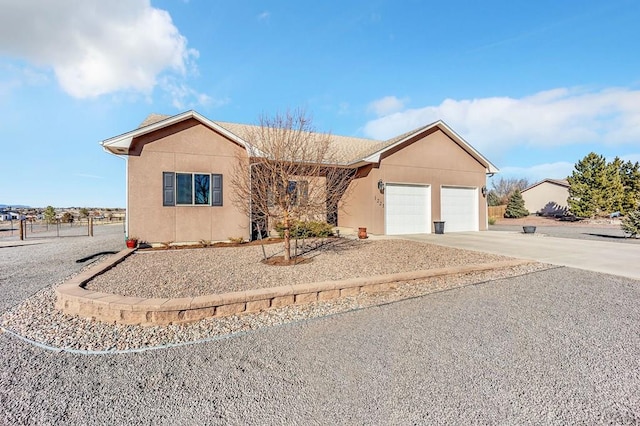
<point x="614" y="190"/>
<point x="493" y="199"/>
<point x="630" y="175"/>
<point x="631" y="223"/>
<point x="515" y="207"/>
<point x="587" y="186"/>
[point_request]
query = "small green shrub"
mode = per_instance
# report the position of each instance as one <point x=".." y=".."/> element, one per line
<point x="492" y="220"/>
<point x="310" y="229"/>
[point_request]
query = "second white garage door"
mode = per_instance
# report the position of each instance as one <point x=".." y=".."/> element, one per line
<point x="407" y="209"/>
<point x="459" y="209"/>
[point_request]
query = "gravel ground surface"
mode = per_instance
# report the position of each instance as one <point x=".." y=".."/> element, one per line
<point x="598" y="230"/>
<point x="195" y="272"/>
<point x="559" y="346"/>
<point x="26" y="269"/>
<point x="38" y="320"/>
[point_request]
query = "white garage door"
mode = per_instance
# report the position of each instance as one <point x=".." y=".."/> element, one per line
<point x="407" y="209"/>
<point x="459" y="209"/>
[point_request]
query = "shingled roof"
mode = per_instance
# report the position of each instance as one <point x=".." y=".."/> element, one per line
<point x="349" y="150"/>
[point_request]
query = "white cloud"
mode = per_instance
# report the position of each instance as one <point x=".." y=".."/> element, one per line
<point x="538" y="172"/>
<point x="264" y="16"/>
<point x="546" y="119"/>
<point x="185" y="97"/>
<point x="386" y="105"/>
<point x="96" y="47"/>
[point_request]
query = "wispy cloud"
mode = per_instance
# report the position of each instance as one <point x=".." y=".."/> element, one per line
<point x="184" y="96"/>
<point x="264" y="16"/>
<point x="538" y="172"/>
<point x="386" y="105"/>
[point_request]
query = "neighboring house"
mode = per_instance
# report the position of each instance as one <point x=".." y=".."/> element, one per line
<point x="179" y="168"/>
<point x="547" y="197"/>
<point x="9" y="216"/>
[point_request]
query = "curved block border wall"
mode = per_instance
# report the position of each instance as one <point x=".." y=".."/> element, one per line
<point x="73" y="299"/>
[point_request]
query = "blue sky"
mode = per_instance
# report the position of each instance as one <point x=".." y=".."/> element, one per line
<point x="534" y="86"/>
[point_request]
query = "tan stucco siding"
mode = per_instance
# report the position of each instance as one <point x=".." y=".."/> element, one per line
<point x="193" y="149"/>
<point x="433" y="160"/>
<point x="546" y="198"/>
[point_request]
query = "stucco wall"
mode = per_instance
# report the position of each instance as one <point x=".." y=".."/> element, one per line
<point x="434" y="159"/>
<point x="186" y="147"/>
<point x="547" y="198"/>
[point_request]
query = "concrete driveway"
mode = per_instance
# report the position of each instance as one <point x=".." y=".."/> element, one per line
<point x="599" y="256"/>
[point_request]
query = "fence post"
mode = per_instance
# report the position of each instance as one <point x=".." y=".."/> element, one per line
<point x="90" y="226"/>
<point x="21" y="229"/>
<point x="58" y="227"/>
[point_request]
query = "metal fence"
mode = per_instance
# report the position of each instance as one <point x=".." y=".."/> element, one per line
<point x="43" y="229"/>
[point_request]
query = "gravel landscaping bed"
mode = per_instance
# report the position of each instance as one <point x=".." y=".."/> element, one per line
<point x="191" y="272"/>
<point x="37" y="319"/>
<point x="196" y="272"/>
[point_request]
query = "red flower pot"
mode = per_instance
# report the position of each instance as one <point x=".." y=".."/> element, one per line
<point x="132" y="243"/>
<point x="362" y="233"/>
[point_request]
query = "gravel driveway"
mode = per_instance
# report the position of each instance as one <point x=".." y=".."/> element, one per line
<point x="27" y="269"/>
<point x="559" y="346"/>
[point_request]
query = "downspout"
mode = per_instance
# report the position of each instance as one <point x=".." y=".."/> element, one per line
<point x="126" y="189"/>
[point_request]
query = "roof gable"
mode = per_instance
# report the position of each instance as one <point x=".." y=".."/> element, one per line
<point x="351" y="151"/>
<point x="390" y="144"/>
<point x="121" y="144"/>
<point x="559" y="182"/>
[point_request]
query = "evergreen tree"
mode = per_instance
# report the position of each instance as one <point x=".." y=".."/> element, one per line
<point x="493" y="199"/>
<point x="515" y="207"/>
<point x="614" y="190"/>
<point x="630" y="175"/>
<point x="587" y="186"/>
<point x="631" y="223"/>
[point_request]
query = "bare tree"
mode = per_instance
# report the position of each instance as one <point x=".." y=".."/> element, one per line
<point x="291" y="174"/>
<point x="503" y="188"/>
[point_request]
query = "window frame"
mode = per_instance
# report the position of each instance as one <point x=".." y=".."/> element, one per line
<point x="171" y="189"/>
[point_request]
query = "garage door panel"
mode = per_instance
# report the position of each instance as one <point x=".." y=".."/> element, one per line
<point x="459" y="209"/>
<point x="407" y="209"/>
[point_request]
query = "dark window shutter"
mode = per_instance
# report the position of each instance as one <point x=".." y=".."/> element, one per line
<point x="216" y="190"/>
<point x="169" y="189"/>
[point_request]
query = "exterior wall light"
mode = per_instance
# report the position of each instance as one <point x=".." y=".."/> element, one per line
<point x="484" y="191"/>
<point x="381" y="186"/>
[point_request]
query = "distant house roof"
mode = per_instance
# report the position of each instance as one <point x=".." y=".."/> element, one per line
<point x="350" y="150"/>
<point x="559" y="182"/>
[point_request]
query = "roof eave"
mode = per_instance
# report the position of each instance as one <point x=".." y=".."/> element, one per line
<point x="121" y="144"/>
<point x="490" y="167"/>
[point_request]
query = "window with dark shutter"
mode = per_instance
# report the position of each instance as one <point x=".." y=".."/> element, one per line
<point x="169" y="192"/>
<point x="216" y="190"/>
